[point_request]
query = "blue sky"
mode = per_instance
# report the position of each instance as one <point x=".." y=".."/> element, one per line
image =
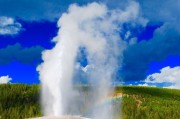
<point x="27" y="28"/>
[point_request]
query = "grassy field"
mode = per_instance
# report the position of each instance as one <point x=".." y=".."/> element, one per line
<point x="19" y="101"/>
<point x="150" y="103"/>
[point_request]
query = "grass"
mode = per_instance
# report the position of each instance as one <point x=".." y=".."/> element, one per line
<point x="19" y="101"/>
<point x="150" y="103"/>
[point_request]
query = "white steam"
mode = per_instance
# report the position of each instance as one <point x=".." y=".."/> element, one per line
<point x="96" y="28"/>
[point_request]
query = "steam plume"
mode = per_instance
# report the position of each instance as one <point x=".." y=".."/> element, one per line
<point x="96" y="28"/>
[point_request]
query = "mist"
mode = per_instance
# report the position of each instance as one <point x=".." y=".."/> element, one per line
<point x="95" y="28"/>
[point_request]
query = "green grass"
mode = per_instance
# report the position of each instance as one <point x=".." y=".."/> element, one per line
<point x="150" y="103"/>
<point x="19" y="101"/>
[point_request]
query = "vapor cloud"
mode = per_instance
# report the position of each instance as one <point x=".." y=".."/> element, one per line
<point x="164" y="42"/>
<point x="34" y="10"/>
<point x="166" y="75"/>
<point x="8" y="26"/>
<point x="18" y="53"/>
<point x="5" y="79"/>
<point x="137" y="57"/>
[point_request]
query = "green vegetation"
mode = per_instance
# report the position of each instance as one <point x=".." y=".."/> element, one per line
<point x="150" y="103"/>
<point x="19" y="101"/>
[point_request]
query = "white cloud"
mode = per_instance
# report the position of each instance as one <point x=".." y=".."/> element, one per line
<point x="142" y="84"/>
<point x="8" y="26"/>
<point x="166" y="75"/>
<point x="5" y="79"/>
<point x="52" y="9"/>
<point x="145" y="84"/>
<point x="32" y="9"/>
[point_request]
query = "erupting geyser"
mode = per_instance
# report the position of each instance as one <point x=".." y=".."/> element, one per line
<point x="96" y="29"/>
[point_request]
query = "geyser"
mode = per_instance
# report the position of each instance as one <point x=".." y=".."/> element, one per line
<point x="95" y="28"/>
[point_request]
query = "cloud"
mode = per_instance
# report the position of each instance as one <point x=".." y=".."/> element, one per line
<point x="52" y="9"/>
<point x="8" y="26"/>
<point x="36" y="10"/>
<point x="5" y="79"/>
<point x="30" y="9"/>
<point x="141" y="84"/>
<point x="22" y="54"/>
<point x="164" y="42"/>
<point x="166" y="75"/>
<point x="166" y="11"/>
<point x="137" y="57"/>
<point x="145" y="84"/>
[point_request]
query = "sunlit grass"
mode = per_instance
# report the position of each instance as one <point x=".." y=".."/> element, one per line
<point x="19" y="101"/>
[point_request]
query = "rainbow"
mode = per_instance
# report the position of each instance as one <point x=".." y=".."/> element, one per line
<point x="104" y="101"/>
